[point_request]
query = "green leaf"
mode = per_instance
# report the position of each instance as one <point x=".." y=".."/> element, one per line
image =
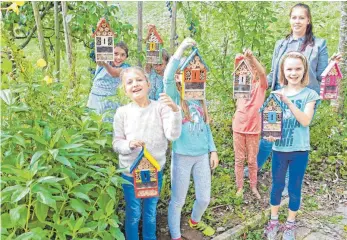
<point x="109" y="208"/>
<point x="16" y="212"/>
<point x="36" y="156"/>
<point x="6" y="96"/>
<point x="54" y="153"/>
<point x="113" y="223"/>
<point x="19" y="140"/>
<point x="85" y="230"/>
<point x="82" y="196"/>
<point x="64" y="161"/>
<point x="56" y="137"/>
<point x="47" y="133"/>
<point x="46" y="198"/>
<point x="118" y="181"/>
<point x="78" y="224"/>
<point x="71" y="146"/>
<point x="41" y="211"/>
<point x="116" y="233"/>
<point x="101" y="142"/>
<point x="78" y="206"/>
<point x="49" y="179"/>
<point x="25" y="236"/>
<point x="6" y="221"/>
<point x="20" y="160"/>
<point x="18" y="195"/>
<point x="38" y="139"/>
<point x="111" y="192"/>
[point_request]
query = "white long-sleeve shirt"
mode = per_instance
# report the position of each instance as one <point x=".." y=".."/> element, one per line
<point x="154" y="124"/>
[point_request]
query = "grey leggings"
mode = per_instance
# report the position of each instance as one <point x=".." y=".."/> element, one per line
<point x="181" y="168"/>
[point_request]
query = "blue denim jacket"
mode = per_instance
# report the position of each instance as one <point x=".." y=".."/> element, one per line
<point x="317" y="56"/>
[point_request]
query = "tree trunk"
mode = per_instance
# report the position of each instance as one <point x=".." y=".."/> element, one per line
<point x="57" y="42"/>
<point x="343" y="50"/>
<point x="338" y="104"/>
<point x="68" y="45"/>
<point x="139" y="31"/>
<point x="39" y="30"/>
<point x="173" y="27"/>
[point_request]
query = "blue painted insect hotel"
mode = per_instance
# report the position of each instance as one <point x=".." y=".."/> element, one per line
<point x="104" y="45"/>
<point x="242" y="80"/>
<point x="194" y="76"/>
<point x="145" y="172"/>
<point x="271" y="118"/>
<point x="154" y="46"/>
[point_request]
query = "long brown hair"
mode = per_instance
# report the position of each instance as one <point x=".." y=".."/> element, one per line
<point x="309" y="37"/>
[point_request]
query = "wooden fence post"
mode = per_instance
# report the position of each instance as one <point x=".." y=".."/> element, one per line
<point x="39" y="31"/>
<point x="57" y="42"/>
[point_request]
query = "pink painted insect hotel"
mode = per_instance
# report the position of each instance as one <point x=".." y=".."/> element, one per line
<point x="331" y="76"/>
<point x="145" y="172"/>
<point x="242" y="80"/>
<point x="104" y="45"/>
<point x="194" y="76"/>
<point x="271" y="118"/>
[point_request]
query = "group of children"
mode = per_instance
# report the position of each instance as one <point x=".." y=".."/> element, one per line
<point x="157" y="114"/>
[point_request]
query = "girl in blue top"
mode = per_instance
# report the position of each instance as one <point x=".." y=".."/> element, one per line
<point x="156" y="72"/>
<point x="291" y="151"/>
<point x="190" y="153"/>
<point x="106" y="82"/>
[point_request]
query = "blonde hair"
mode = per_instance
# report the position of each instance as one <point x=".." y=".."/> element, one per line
<point x="131" y="69"/>
<point x="185" y="108"/>
<point x="297" y="55"/>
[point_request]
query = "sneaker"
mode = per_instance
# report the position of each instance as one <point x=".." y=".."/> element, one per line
<point x="271" y="230"/>
<point x="203" y="227"/>
<point x="289" y="232"/>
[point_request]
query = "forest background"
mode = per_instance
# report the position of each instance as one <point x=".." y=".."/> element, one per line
<point x="59" y="176"/>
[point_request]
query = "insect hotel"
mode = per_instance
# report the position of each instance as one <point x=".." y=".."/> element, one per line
<point x="154" y="45"/>
<point x="145" y="172"/>
<point x="271" y="118"/>
<point x="104" y="46"/>
<point x="331" y="76"/>
<point x="242" y="80"/>
<point x="194" y="76"/>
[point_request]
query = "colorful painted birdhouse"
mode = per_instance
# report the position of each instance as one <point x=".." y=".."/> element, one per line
<point x="154" y="46"/>
<point x="145" y="172"/>
<point x="271" y="117"/>
<point x="242" y="80"/>
<point x="194" y="76"/>
<point x="104" y="45"/>
<point x="331" y="76"/>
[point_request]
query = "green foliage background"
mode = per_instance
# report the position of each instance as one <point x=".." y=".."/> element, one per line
<point x="59" y="176"/>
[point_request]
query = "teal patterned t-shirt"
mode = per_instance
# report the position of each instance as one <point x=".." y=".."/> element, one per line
<point x="296" y="137"/>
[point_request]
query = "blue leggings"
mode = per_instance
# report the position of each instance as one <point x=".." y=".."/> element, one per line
<point x="134" y="209"/>
<point x="297" y="163"/>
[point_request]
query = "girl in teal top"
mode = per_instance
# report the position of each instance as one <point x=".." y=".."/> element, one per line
<point x="190" y="153"/>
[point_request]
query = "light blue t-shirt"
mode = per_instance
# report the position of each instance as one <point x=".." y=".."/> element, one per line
<point x="104" y="84"/>
<point x="196" y="137"/>
<point x="296" y="137"/>
<point x="157" y="85"/>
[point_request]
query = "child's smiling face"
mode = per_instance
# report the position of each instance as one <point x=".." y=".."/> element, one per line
<point x="294" y="71"/>
<point x="136" y="86"/>
<point x="119" y="56"/>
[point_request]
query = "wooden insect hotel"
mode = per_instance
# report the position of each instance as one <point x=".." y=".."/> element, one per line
<point x="104" y="44"/>
<point x="242" y="80"/>
<point x="194" y="76"/>
<point x="145" y="172"/>
<point x="331" y="76"/>
<point x="271" y="118"/>
<point x="154" y="46"/>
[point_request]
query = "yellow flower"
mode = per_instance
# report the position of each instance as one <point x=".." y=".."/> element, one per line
<point x="41" y="63"/>
<point x="13" y="7"/>
<point x="19" y="3"/>
<point x="48" y="79"/>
